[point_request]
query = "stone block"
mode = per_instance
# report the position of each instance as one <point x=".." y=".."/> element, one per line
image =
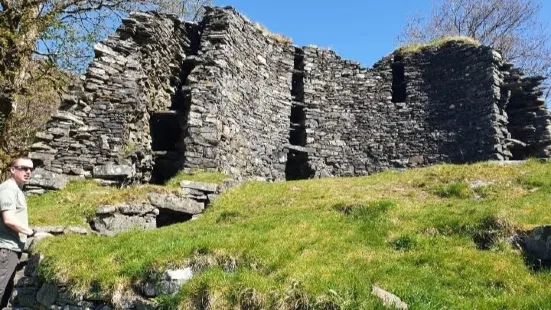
<point x="47" y="294"/>
<point x="111" y="171"/>
<point x="200" y="186"/>
<point x="175" y="203"/>
<point x="47" y="179"/>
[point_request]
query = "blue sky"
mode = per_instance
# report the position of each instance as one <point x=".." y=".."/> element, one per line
<point x="359" y="30"/>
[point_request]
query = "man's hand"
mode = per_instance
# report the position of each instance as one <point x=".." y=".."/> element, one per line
<point x="12" y="222"/>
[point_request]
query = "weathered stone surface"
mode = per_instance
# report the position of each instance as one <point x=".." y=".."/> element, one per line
<point x="199" y="186"/>
<point x="47" y="179"/>
<point x="538" y="243"/>
<point x="174" y="203"/>
<point x="54" y="230"/>
<point x="118" y="222"/>
<point x="34" y="261"/>
<point x="173" y="280"/>
<point x="75" y="230"/>
<point x="136" y="209"/>
<point x="24" y="296"/>
<point x="388" y="299"/>
<point x="47" y="294"/>
<point x="102" y="210"/>
<point x="112" y="171"/>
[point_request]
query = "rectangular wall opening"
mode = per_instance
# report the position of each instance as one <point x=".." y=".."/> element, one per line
<point x="398" y="80"/>
<point x="297" y="166"/>
<point x="165" y="130"/>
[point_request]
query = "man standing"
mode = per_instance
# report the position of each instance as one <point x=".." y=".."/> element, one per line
<point x="14" y="226"/>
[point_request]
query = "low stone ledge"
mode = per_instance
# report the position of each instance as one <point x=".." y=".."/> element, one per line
<point x="110" y="220"/>
<point x="46" y="179"/>
<point x="111" y="171"/>
<point x="199" y="186"/>
<point x="176" y="204"/>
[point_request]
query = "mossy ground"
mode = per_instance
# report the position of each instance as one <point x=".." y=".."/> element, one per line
<point x="321" y="244"/>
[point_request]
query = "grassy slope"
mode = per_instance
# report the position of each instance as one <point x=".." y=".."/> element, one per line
<point x="325" y="242"/>
<point x="80" y="200"/>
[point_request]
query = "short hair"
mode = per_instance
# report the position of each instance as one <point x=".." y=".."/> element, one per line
<point x="15" y="160"/>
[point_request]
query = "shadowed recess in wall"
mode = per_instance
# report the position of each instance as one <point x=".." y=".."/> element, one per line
<point x="297" y="166"/>
<point x="170" y="128"/>
<point x="398" y="80"/>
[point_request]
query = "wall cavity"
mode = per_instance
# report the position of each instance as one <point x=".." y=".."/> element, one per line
<point x="297" y="157"/>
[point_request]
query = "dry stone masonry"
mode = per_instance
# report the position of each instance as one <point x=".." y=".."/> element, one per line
<point x="161" y="209"/>
<point x="223" y="94"/>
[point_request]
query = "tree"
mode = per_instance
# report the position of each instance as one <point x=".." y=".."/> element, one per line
<point x="510" y="26"/>
<point x="37" y="36"/>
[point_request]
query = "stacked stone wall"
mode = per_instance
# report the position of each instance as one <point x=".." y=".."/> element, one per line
<point x="226" y="95"/>
<point x="436" y="105"/>
<point x="456" y="88"/>
<point x="100" y="122"/>
<point x="240" y="100"/>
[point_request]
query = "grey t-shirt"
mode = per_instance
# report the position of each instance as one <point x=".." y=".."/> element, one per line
<point x="12" y="198"/>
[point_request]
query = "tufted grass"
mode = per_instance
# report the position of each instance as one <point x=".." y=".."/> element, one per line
<point x="418" y="47"/>
<point x="80" y="199"/>
<point x="321" y="244"/>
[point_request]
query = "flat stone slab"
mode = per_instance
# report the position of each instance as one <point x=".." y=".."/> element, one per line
<point x="200" y="186"/>
<point x="141" y="209"/>
<point x="175" y="203"/>
<point x="388" y="299"/>
<point x="118" y="222"/>
<point x="47" y="179"/>
<point x="110" y="171"/>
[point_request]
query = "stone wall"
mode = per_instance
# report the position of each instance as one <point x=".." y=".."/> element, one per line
<point x="107" y="118"/>
<point x="463" y="116"/>
<point x="226" y="95"/>
<point x="410" y="109"/>
<point x="240" y="99"/>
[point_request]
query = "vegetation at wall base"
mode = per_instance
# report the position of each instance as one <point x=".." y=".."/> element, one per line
<point x="322" y="244"/>
<point x="80" y="199"/>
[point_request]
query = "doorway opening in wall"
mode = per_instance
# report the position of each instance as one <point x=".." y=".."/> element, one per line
<point x="165" y="136"/>
<point x="398" y="79"/>
<point x="168" y="217"/>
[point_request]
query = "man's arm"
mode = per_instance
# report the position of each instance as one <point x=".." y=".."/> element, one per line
<point x="12" y="222"/>
<point x="8" y="207"/>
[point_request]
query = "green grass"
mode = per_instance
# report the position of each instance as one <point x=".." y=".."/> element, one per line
<point x="197" y="176"/>
<point x="321" y="244"/>
<point x="80" y="199"/>
<point x="417" y="47"/>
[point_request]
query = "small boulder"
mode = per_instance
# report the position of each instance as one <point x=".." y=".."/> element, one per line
<point x="111" y="171"/>
<point x="538" y="243"/>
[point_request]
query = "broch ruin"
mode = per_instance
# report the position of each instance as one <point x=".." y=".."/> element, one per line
<point x="164" y="95"/>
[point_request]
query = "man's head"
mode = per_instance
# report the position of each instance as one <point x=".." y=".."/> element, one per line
<point x="21" y="170"/>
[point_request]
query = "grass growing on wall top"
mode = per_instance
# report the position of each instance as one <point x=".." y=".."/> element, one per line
<point x="321" y="244"/>
<point x="418" y="47"/>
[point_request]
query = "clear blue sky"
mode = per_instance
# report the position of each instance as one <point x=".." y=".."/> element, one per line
<point x="359" y="30"/>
